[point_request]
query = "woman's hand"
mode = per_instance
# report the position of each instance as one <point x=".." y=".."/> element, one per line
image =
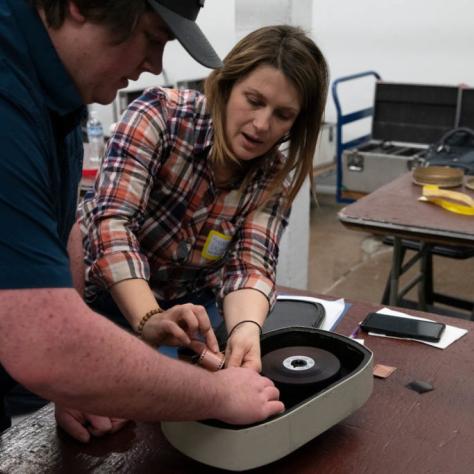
<point x="178" y="325"/>
<point x="243" y="347"/>
<point x="81" y="426"/>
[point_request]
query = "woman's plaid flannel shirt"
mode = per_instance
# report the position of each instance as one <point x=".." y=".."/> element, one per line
<point x="155" y="205"/>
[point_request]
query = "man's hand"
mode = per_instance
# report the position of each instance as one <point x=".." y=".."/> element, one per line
<point x="81" y="426"/>
<point x="178" y="325"/>
<point x="245" y="397"/>
<point x="243" y="347"/>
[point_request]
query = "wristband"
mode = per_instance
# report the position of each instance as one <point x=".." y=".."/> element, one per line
<point x="145" y="318"/>
<point x="242" y="322"/>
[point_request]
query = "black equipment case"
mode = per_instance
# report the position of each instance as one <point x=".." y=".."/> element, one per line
<point x="456" y="147"/>
<point x="407" y="118"/>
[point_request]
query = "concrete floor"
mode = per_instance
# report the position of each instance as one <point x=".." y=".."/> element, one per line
<point x="355" y="265"/>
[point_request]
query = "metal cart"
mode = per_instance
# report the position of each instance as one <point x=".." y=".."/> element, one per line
<point x="344" y="119"/>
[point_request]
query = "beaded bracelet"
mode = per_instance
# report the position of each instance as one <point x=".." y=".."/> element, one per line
<point x="145" y="318"/>
<point x="242" y="322"/>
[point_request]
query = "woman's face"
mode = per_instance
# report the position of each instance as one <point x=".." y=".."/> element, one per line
<point x="261" y="109"/>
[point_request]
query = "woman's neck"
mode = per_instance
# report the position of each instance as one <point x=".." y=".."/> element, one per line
<point x="226" y="174"/>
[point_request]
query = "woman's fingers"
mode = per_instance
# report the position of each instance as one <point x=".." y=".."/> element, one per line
<point x="211" y="340"/>
<point x="198" y="322"/>
<point x="205" y="328"/>
<point x="243" y="349"/>
<point x="234" y="356"/>
<point x="195" y="320"/>
<point x="186" y="317"/>
<point x="178" y="325"/>
<point x="197" y="346"/>
<point x="173" y="334"/>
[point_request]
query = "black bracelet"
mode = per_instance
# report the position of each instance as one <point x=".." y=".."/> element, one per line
<point x="242" y="322"/>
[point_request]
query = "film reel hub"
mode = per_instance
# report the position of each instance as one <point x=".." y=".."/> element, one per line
<point x="299" y="370"/>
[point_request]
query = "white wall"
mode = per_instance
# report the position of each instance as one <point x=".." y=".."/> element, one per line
<point x="421" y="41"/>
<point x="292" y="269"/>
<point x="251" y="14"/>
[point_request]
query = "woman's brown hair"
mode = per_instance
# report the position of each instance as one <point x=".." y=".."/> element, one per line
<point x="291" y="51"/>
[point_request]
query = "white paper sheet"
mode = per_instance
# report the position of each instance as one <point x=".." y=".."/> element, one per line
<point x="450" y="333"/>
<point x="333" y="309"/>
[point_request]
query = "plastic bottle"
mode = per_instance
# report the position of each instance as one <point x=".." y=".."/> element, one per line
<point x="95" y="136"/>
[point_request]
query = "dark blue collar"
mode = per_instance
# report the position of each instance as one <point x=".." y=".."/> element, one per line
<point x="60" y="93"/>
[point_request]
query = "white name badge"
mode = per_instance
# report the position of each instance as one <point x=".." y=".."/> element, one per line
<point x="216" y="245"/>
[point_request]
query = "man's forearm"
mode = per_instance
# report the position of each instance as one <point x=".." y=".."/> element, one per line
<point x="56" y="346"/>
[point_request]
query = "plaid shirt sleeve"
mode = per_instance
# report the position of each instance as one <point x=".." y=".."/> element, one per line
<point x="114" y="215"/>
<point x="253" y="259"/>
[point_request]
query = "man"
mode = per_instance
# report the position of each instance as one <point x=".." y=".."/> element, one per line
<point x="56" y="56"/>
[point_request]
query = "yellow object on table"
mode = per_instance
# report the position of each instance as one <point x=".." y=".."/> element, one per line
<point x="452" y="201"/>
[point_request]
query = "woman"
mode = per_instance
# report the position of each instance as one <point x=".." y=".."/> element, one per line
<point x="194" y="195"/>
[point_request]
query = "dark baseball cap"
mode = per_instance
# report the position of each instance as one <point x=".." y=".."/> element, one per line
<point x="180" y="16"/>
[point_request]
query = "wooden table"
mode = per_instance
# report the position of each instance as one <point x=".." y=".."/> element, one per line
<point x="397" y="431"/>
<point x="394" y="210"/>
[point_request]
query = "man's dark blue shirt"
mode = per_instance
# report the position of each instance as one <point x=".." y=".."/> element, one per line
<point x="40" y="153"/>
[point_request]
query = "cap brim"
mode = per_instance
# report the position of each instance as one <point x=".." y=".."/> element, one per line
<point x="190" y="36"/>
